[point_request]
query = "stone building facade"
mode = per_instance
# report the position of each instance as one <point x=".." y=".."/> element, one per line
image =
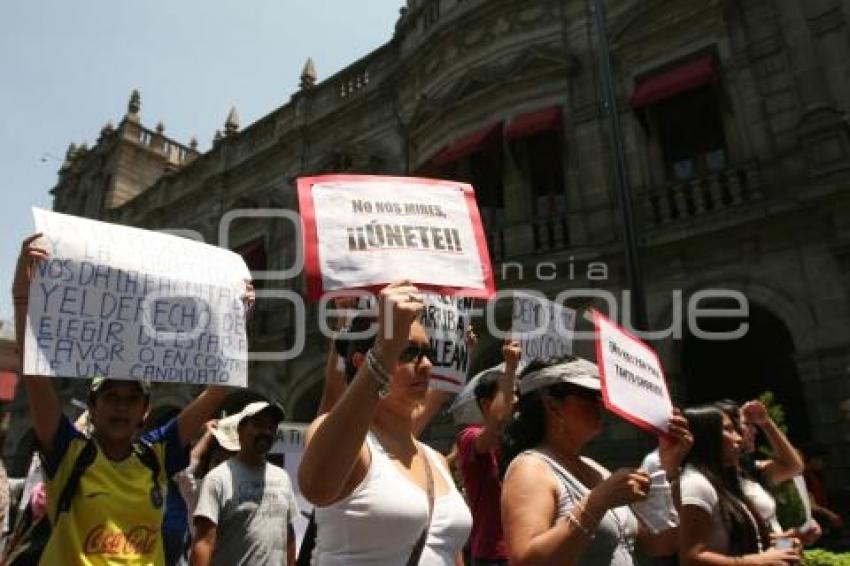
<point x="735" y="118"/>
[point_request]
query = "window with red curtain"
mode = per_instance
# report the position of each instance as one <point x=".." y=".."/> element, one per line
<point x="685" y="114"/>
<point x="690" y="132"/>
<point x="539" y="156"/>
<point x="475" y="158"/>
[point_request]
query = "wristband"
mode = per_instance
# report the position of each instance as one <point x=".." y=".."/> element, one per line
<point x="584" y="510"/>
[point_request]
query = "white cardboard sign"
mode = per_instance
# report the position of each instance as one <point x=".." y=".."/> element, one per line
<point x="633" y="383"/>
<point x="364" y="232"/>
<point x="126" y="303"/>
<point x="446" y="320"/>
<point x="544" y="328"/>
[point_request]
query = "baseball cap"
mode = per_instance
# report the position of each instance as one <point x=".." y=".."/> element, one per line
<point x="257" y="407"/>
<point x="98" y="383"/>
<point x="576" y="371"/>
<point x="225" y="432"/>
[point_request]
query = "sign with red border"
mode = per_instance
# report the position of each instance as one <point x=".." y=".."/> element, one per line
<point x="365" y="231"/>
<point x="633" y="382"/>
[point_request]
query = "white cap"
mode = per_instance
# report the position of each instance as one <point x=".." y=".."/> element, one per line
<point x="225" y="432"/>
<point x="576" y="371"/>
<point x="257" y="407"/>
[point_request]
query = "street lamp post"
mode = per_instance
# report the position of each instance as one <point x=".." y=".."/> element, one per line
<point x="624" y="189"/>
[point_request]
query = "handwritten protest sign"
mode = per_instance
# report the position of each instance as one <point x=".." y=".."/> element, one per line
<point x="544" y="328"/>
<point x="126" y="303"/>
<point x="289" y="441"/>
<point x="446" y="320"/>
<point x="289" y="438"/>
<point x="633" y="383"/>
<point x="368" y="231"/>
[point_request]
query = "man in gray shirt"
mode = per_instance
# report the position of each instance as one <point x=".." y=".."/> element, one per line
<point x="246" y="505"/>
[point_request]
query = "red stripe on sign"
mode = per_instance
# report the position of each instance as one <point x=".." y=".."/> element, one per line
<point x="309" y="237"/>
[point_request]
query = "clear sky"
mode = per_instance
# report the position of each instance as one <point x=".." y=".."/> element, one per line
<point x="67" y="67"/>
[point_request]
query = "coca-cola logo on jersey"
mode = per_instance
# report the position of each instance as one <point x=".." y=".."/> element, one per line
<point x="139" y="540"/>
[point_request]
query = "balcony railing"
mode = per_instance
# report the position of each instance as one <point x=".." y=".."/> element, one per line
<point x="550" y="233"/>
<point x="546" y="234"/>
<point x="703" y="195"/>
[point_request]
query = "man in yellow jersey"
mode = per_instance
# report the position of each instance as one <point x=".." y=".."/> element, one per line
<point x="113" y="515"/>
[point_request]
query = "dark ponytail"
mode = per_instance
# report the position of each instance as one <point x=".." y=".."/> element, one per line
<point x="525" y="431"/>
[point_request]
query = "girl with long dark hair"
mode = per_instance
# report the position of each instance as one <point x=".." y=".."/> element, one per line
<point x="719" y="524"/>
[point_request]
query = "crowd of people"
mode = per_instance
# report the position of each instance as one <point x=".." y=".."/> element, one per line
<point x="524" y="493"/>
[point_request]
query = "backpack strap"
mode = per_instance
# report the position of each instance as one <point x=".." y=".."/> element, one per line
<point x="84" y="459"/>
<point x="148" y="458"/>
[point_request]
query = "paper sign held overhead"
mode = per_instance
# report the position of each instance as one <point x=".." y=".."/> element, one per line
<point x="633" y="382"/>
<point x="127" y="303"/>
<point x="446" y="320"/>
<point x="363" y="232"/>
<point x="543" y="328"/>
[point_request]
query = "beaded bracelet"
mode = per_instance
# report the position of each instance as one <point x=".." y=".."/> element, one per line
<point x="379" y="373"/>
<point x="574" y="520"/>
<point x="584" y="510"/>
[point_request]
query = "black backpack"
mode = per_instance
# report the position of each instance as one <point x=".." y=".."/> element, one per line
<point x="30" y="536"/>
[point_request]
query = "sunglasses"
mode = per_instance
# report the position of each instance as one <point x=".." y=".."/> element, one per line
<point x="415" y="352"/>
<point x="588" y="395"/>
<point x="562" y="390"/>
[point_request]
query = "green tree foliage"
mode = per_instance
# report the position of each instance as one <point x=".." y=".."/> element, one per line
<point x="818" y="557"/>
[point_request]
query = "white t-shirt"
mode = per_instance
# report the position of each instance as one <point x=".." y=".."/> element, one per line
<point x="252" y="508"/>
<point x="763" y="502"/>
<point x="697" y="491"/>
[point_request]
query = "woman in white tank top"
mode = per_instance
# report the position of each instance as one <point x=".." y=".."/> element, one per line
<point x="362" y="467"/>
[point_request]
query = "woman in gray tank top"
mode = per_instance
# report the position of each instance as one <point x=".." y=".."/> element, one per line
<point x="559" y="507"/>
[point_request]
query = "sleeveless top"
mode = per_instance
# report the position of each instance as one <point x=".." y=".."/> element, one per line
<point x="614" y="537"/>
<point x="381" y="520"/>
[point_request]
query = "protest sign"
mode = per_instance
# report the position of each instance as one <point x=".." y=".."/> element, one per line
<point x="127" y="303"/>
<point x="289" y="438"/>
<point x="446" y="320"/>
<point x="543" y="328"/>
<point x="633" y="383"/>
<point x="364" y="232"/>
<point x="290" y="442"/>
